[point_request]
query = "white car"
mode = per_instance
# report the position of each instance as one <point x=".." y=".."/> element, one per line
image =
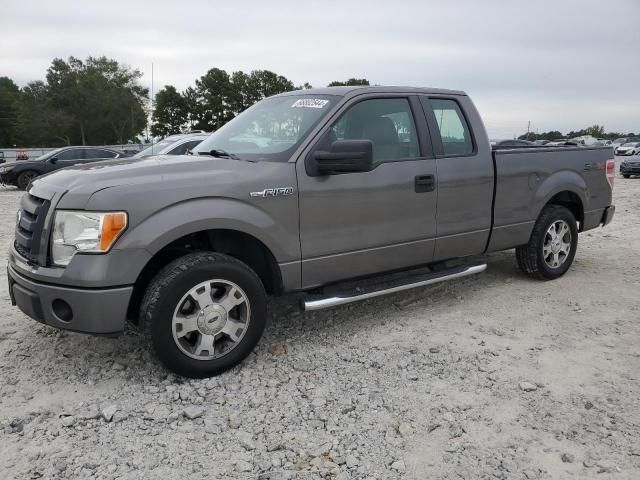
<point x="630" y="148"/>
<point x="173" y="145"/>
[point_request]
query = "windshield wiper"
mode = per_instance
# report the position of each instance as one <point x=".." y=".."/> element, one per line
<point x="217" y="153"/>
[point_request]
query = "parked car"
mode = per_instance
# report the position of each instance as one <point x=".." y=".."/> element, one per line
<point x="630" y="166"/>
<point x="173" y="145"/>
<point x="628" y="149"/>
<point x="22" y="172"/>
<point x="618" y="142"/>
<point x="541" y="142"/>
<point x="605" y="142"/>
<point x="360" y="192"/>
<point x="513" y="143"/>
<point x="561" y="142"/>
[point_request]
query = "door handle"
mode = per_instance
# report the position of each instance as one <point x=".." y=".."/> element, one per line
<point x="425" y="183"/>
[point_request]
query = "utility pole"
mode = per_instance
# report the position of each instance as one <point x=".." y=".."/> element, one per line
<point x="528" y="129"/>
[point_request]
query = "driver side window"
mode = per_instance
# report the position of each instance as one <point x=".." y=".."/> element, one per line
<point x="387" y="122"/>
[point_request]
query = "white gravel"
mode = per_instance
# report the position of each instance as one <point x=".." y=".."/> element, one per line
<point x="492" y="376"/>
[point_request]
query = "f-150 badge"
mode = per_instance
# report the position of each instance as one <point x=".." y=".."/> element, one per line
<point x="273" y="192"/>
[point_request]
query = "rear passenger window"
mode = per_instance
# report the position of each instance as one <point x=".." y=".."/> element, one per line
<point x="94" y="153"/>
<point x="71" y="154"/>
<point x="454" y="131"/>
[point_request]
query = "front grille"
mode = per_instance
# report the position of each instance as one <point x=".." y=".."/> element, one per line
<point x="29" y="228"/>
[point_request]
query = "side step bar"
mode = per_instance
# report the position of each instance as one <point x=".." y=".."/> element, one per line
<point x="319" y="302"/>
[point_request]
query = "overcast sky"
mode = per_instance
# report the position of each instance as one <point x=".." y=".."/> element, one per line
<point x="561" y="64"/>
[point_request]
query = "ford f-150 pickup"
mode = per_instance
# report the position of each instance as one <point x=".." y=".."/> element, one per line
<point x="341" y="194"/>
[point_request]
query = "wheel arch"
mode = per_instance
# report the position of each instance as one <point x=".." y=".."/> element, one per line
<point x="566" y="188"/>
<point x="235" y="243"/>
<point x="572" y="202"/>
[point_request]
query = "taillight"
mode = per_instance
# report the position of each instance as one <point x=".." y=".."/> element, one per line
<point x="611" y="172"/>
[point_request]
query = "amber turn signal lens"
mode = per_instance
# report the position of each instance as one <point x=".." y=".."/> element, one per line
<point x="113" y="224"/>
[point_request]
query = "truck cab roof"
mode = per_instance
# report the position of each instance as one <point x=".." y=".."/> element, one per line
<point x="348" y="91"/>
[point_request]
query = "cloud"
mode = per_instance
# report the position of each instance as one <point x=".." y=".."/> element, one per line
<point x="561" y="65"/>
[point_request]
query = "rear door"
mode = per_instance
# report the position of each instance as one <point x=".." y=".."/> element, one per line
<point x="356" y="224"/>
<point x="464" y="174"/>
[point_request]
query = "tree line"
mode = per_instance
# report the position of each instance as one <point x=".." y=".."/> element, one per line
<point x="99" y="101"/>
<point x="218" y="97"/>
<point x="96" y="101"/>
<point x="596" y="131"/>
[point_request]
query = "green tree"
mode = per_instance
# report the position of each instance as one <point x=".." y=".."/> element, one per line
<point x="103" y="98"/>
<point x="9" y="99"/>
<point x="595" y="131"/>
<point x="350" y="82"/>
<point x="264" y="83"/>
<point x="214" y="94"/>
<point x="170" y="113"/>
<point x="195" y="110"/>
<point x="40" y="124"/>
<point x="550" y="135"/>
<point x="218" y="96"/>
<point x="251" y="88"/>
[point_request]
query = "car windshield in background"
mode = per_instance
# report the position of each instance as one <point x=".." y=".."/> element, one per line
<point x="49" y="154"/>
<point x="270" y="129"/>
<point x="630" y="144"/>
<point x="154" y="149"/>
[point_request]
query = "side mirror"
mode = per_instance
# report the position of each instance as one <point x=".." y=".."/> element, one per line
<point x="53" y="160"/>
<point x="344" y="156"/>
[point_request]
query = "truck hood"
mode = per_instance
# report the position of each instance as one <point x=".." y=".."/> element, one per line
<point x="92" y="177"/>
<point x="204" y="175"/>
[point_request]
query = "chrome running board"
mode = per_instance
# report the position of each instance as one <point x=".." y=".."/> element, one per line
<point x="319" y="302"/>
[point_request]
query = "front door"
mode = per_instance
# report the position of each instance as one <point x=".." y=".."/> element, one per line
<point x="356" y="224"/>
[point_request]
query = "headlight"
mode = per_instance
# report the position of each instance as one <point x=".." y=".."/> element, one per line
<point x="80" y="231"/>
<point x="6" y="169"/>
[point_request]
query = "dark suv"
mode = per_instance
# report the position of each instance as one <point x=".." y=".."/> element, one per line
<point x="21" y="173"/>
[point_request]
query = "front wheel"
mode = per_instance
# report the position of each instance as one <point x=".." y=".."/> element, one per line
<point x="204" y="313"/>
<point x="552" y="246"/>
<point x="25" y="178"/>
<point x="626" y="176"/>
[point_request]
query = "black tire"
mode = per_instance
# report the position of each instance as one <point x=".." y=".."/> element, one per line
<point x="167" y="289"/>
<point x="626" y="176"/>
<point x="25" y="178"/>
<point x="530" y="257"/>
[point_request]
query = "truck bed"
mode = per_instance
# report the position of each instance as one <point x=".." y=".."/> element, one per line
<point x="526" y="178"/>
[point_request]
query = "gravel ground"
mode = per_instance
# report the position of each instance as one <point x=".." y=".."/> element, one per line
<point x="492" y="376"/>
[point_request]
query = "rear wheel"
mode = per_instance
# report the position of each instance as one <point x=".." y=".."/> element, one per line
<point x="25" y="178"/>
<point x="626" y="176"/>
<point x="552" y="246"/>
<point x="204" y="313"/>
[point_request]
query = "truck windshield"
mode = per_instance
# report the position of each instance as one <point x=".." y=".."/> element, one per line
<point x="270" y="130"/>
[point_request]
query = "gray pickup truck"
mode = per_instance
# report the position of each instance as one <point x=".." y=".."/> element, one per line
<point x="341" y="194"/>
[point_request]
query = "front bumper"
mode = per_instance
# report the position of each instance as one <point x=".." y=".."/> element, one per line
<point x="99" y="311"/>
<point x="7" y="179"/>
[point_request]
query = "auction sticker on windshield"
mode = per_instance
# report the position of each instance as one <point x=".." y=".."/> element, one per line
<point x="309" y="103"/>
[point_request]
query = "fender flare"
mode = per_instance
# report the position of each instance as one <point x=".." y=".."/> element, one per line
<point x="562" y="181"/>
<point x="201" y="214"/>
